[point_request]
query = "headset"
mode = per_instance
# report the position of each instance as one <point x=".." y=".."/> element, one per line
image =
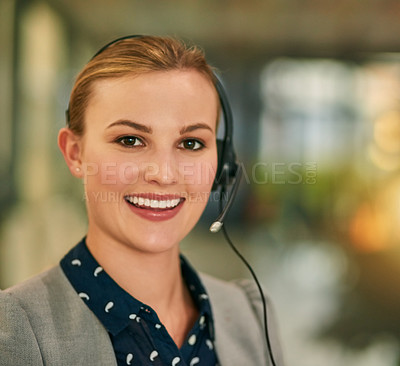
<point x="228" y="174"/>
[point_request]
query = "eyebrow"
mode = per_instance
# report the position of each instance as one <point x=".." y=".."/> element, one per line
<point x="194" y="127"/>
<point x="144" y="128"/>
<point x="135" y="125"/>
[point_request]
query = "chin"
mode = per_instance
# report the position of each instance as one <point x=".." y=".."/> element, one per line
<point x="124" y="226"/>
<point x="144" y="237"/>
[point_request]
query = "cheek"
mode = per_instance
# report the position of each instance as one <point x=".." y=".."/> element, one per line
<point x="110" y="172"/>
<point x="113" y="173"/>
<point x="127" y="172"/>
<point x="198" y="176"/>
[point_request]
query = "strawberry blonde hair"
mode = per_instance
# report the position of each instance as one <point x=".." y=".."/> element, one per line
<point x="134" y="55"/>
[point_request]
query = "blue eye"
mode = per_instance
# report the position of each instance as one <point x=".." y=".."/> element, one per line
<point x="130" y="141"/>
<point x="191" y="144"/>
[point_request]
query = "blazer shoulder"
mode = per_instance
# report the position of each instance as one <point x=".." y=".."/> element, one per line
<point x="239" y="319"/>
<point x="253" y="294"/>
<point x="18" y="343"/>
<point x="236" y="291"/>
<point x="65" y="329"/>
<point x="38" y="283"/>
<point x="43" y="294"/>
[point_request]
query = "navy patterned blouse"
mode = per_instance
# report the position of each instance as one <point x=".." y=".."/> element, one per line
<point x="137" y="335"/>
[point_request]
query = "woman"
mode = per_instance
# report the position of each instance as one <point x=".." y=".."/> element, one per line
<point x="141" y="135"/>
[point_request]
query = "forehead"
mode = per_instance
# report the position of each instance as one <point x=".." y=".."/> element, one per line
<point x="178" y="95"/>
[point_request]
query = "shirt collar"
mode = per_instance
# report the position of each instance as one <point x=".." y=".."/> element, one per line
<point x="112" y="305"/>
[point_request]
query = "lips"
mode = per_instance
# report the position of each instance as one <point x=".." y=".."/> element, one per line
<point x="154" y="207"/>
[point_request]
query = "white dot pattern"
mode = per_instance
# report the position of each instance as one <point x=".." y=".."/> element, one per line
<point x="109" y="306"/>
<point x="192" y="340"/>
<point x="129" y="358"/>
<point x="153" y="355"/>
<point x="97" y="271"/>
<point x="83" y="295"/>
<point x="137" y="335"/>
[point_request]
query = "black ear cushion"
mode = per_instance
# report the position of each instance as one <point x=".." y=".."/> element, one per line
<point x="220" y="145"/>
<point x="227" y="166"/>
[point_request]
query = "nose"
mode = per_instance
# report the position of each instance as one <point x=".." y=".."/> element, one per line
<point x="162" y="169"/>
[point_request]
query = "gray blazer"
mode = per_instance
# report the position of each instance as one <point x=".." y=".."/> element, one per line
<point x="44" y="322"/>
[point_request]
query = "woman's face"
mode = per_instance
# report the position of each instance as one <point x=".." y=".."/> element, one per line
<point x="148" y="157"/>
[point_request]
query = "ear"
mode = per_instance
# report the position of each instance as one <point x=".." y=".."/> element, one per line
<point x="71" y="147"/>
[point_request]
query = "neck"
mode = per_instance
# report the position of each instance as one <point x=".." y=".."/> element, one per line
<point x="152" y="278"/>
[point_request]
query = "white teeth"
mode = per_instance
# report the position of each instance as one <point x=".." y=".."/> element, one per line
<point x="175" y="202"/>
<point x="140" y="201"/>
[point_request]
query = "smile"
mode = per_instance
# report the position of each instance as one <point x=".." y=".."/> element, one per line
<point x="154" y="207"/>
<point x="153" y="203"/>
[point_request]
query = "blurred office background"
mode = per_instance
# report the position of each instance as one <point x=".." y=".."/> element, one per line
<point x="314" y="87"/>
